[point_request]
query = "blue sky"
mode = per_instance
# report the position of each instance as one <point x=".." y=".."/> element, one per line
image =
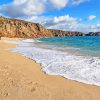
<point x="73" y="15"/>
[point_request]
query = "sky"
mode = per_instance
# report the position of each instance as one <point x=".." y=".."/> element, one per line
<point x="70" y="15"/>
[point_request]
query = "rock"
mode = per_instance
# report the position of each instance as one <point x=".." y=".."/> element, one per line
<point x="93" y="34"/>
<point x="97" y="34"/>
<point x="22" y="29"/>
<point x="60" y="33"/>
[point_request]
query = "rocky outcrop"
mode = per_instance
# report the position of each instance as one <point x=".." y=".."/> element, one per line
<point x="60" y="33"/>
<point x="93" y="34"/>
<point x="89" y="34"/>
<point x="23" y="29"/>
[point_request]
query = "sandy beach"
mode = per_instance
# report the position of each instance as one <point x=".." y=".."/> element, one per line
<point x="23" y="79"/>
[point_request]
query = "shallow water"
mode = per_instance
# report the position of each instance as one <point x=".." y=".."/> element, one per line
<point x="89" y="45"/>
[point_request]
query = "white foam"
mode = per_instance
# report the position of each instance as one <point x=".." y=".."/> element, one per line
<point x="28" y="40"/>
<point x="78" y="68"/>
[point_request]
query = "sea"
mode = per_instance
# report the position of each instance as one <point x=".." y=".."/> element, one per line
<point x="76" y="58"/>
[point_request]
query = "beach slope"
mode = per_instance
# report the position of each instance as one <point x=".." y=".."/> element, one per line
<point x="22" y="79"/>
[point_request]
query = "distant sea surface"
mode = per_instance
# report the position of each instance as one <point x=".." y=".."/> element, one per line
<point x="88" y="45"/>
<point x="75" y="58"/>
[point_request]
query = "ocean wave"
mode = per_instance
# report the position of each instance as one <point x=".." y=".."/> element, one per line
<point x="28" y="40"/>
<point x="54" y="62"/>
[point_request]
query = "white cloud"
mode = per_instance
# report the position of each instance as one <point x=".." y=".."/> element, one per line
<point x="98" y="25"/>
<point x="60" y="22"/>
<point x="91" y="17"/>
<point x="23" y="8"/>
<point x="77" y="2"/>
<point x="34" y="10"/>
<point x="65" y="22"/>
<point x="37" y="19"/>
<point x="59" y="3"/>
<point x="65" y="18"/>
<point x="19" y="8"/>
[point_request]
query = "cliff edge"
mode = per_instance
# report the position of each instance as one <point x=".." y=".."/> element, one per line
<point x="23" y="29"/>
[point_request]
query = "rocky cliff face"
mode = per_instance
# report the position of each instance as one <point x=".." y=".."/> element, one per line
<point x="23" y="29"/>
<point x="60" y="33"/>
<point x="93" y="34"/>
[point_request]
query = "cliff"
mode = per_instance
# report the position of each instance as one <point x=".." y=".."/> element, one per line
<point x="23" y="29"/>
<point x="93" y="34"/>
<point x="60" y="33"/>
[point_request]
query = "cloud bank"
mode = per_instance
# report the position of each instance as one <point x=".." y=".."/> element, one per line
<point x="19" y="8"/>
<point x="65" y="22"/>
<point x="33" y="10"/>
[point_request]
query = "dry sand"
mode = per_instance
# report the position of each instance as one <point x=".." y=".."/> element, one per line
<point x="22" y="79"/>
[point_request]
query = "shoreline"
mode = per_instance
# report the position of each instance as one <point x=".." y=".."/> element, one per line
<point x="50" y="64"/>
<point x="35" y="84"/>
<point x="41" y="66"/>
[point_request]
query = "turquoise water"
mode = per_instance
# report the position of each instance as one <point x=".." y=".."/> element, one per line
<point x="89" y="45"/>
